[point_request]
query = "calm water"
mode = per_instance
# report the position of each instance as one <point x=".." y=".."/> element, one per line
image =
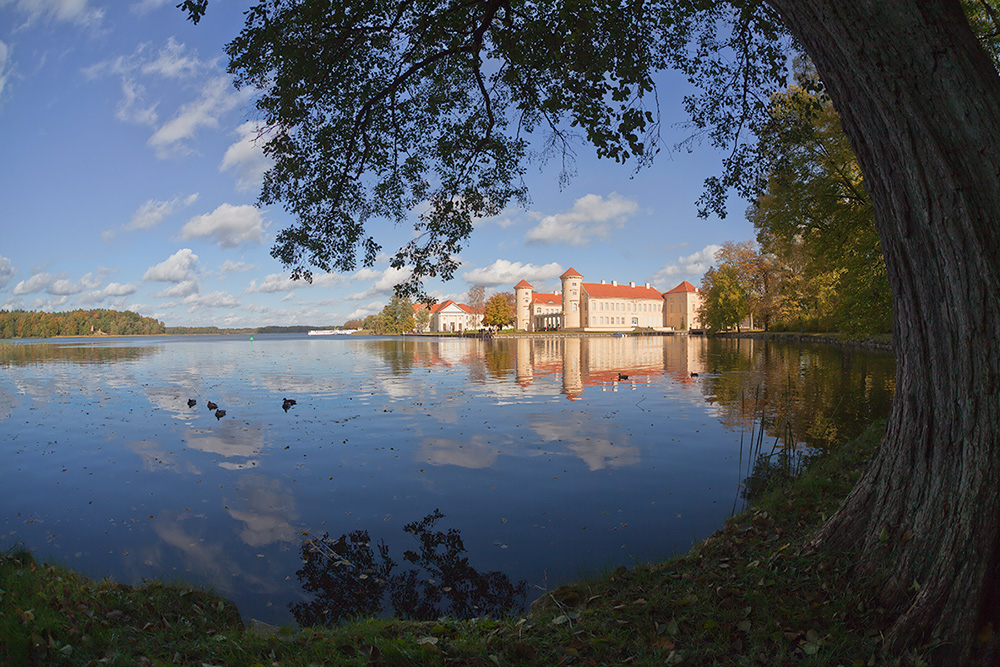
<point x="523" y="462"/>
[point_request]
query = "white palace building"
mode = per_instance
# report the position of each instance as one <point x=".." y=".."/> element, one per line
<point x="601" y="306"/>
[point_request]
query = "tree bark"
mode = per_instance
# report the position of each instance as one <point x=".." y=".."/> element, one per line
<point x="920" y="102"/>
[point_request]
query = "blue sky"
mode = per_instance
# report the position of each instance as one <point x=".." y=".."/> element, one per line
<point x="129" y="174"/>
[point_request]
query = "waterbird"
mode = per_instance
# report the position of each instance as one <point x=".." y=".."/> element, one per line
<point x="622" y="376"/>
<point x="287" y="403"/>
<point x="694" y="375"/>
<point x="192" y="402"/>
<point x="219" y="414"/>
<point x="212" y="406"/>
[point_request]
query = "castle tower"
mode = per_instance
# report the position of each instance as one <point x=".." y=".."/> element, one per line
<point x="522" y="307"/>
<point x="572" y="287"/>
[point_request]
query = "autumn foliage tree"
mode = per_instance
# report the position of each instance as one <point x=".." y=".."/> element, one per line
<point x="726" y="302"/>
<point x="815" y="208"/>
<point x="499" y="310"/>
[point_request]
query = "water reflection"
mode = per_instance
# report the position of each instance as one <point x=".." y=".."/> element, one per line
<point x="17" y="353"/>
<point x="811" y="394"/>
<point x="348" y="578"/>
<point x="107" y="468"/>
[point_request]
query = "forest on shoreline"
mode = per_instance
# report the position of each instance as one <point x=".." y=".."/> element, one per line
<point x="102" y="322"/>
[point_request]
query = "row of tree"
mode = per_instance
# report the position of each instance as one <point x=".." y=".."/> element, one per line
<point x="37" y="324"/>
<point x="817" y="263"/>
<point x="397" y="317"/>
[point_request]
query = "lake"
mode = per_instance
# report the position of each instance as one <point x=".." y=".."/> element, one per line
<point x="420" y="474"/>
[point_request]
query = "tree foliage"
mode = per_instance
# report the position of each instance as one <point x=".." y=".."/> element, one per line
<point x="395" y="318"/>
<point x="815" y="205"/>
<point x="726" y="301"/>
<point x="373" y="110"/>
<point x="422" y="317"/>
<point x="37" y="324"/>
<point x="499" y="310"/>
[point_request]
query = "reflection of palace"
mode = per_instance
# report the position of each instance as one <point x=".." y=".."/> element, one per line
<point x="604" y="361"/>
<point x="607" y="307"/>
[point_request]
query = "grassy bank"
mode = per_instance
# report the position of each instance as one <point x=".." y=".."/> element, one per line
<point x="748" y="595"/>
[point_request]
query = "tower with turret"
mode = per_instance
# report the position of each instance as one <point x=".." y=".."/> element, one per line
<point x="572" y="286"/>
<point x="522" y="306"/>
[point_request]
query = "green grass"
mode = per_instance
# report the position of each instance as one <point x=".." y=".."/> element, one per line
<point x="747" y="595"/>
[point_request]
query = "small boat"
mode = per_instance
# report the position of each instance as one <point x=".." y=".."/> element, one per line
<point x="322" y="332"/>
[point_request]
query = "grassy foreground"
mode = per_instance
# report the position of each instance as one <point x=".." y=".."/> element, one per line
<point x="745" y="596"/>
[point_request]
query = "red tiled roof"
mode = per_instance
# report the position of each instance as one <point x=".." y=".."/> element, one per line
<point x="571" y="273"/>
<point x="551" y="299"/>
<point x="685" y="286"/>
<point x="523" y="283"/>
<point x="603" y="291"/>
<point x="437" y="308"/>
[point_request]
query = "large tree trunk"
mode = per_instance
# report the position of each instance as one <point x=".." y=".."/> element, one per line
<point x="920" y="101"/>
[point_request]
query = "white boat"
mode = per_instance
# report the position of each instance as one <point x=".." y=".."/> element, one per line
<point x="331" y="332"/>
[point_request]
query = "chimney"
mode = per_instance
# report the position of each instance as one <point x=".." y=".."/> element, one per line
<point x="602" y="281"/>
<point x="614" y="283"/>
<point x="647" y="285"/>
<point x="631" y="284"/>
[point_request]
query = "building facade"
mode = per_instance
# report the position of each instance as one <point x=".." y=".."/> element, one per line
<point x="607" y="307"/>
<point x="450" y="317"/>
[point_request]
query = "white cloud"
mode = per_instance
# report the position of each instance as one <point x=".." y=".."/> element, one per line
<point x="506" y="218"/>
<point x="217" y="97"/>
<point x="153" y="212"/>
<point x="692" y="265"/>
<point x="110" y="291"/>
<point x="246" y="156"/>
<point x="185" y="288"/>
<point x="36" y="283"/>
<point x="70" y="11"/>
<point x="92" y="282"/>
<point x="7" y="271"/>
<point x="132" y="107"/>
<point x="146" y="6"/>
<point x="361" y="312"/>
<point x="229" y="266"/>
<point x="507" y="274"/>
<point x="181" y="266"/>
<point x="173" y="62"/>
<point x="55" y="304"/>
<point x="592" y="217"/>
<point x="212" y="300"/>
<point x="327" y="280"/>
<point x="279" y="282"/>
<point x="64" y="287"/>
<point x="5" y="66"/>
<point x="54" y="285"/>
<point x="228" y="225"/>
<point x="385" y="281"/>
<point x="276" y="282"/>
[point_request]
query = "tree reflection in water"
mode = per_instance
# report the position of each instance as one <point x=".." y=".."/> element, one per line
<point x="349" y="578"/>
